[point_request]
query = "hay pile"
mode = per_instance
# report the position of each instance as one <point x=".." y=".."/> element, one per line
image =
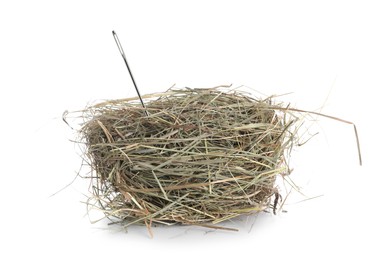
<point x="197" y="156"/>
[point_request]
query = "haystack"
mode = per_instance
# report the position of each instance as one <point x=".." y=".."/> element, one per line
<point x="193" y="156"/>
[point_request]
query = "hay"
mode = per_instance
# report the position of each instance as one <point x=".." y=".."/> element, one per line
<point x="198" y="157"/>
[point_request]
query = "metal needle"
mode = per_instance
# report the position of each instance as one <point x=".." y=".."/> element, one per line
<point x="128" y="68"/>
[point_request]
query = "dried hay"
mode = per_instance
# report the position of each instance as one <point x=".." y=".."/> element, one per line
<point x="194" y="157"/>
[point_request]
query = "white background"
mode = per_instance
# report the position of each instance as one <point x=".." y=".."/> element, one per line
<point x="332" y="55"/>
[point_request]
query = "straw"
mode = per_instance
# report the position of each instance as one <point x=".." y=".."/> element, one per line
<point x="199" y="157"/>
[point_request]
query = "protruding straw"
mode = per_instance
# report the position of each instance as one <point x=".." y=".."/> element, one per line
<point x="128" y="68"/>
